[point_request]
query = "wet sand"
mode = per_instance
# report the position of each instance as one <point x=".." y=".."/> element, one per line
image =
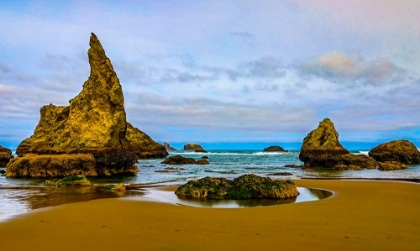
<point x="361" y="215"/>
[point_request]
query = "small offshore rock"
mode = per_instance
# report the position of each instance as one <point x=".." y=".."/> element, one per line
<point x="402" y="151"/>
<point x="282" y="174"/>
<point x="76" y="180"/>
<point x="205" y="157"/>
<point x="203" y="162"/>
<point x="193" y="147"/>
<point x="274" y="149"/>
<point x="178" y="160"/>
<point x="391" y="165"/>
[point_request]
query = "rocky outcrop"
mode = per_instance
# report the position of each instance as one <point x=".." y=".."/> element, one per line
<point x="76" y="180"/>
<point x="274" y="149"/>
<point x="168" y="147"/>
<point x="247" y="186"/>
<point x="402" y="151"/>
<point x="5" y="156"/>
<point x="181" y="160"/>
<point x="321" y="147"/>
<point x="143" y="145"/>
<point x="193" y="147"/>
<point x="391" y="165"/>
<point x="90" y="136"/>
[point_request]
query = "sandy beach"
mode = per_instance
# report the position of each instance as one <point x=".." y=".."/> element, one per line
<point x="361" y="215"/>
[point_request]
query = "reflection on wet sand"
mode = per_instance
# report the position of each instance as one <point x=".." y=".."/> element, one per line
<point x="19" y="200"/>
<point x="306" y="194"/>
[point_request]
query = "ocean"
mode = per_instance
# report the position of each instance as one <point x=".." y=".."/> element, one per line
<point x="18" y="196"/>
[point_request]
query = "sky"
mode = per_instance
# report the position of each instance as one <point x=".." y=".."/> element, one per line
<point x="217" y="71"/>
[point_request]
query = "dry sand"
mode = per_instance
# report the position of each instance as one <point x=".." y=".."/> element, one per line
<point x="362" y="215"/>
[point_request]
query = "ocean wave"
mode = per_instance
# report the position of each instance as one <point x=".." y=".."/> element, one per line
<point x="364" y="153"/>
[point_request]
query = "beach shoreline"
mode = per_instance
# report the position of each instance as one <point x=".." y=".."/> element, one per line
<point x="361" y="215"/>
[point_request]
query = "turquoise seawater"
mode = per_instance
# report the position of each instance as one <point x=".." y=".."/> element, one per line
<point x="18" y="196"/>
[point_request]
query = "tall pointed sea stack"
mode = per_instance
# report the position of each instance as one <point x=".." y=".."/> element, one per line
<point x="321" y="147"/>
<point x="89" y="136"/>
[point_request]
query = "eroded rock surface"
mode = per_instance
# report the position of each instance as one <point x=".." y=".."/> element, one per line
<point x="181" y="160"/>
<point x="90" y="136"/>
<point x="321" y="147"/>
<point x="247" y="186"/>
<point x="5" y="156"/>
<point x="402" y="151"/>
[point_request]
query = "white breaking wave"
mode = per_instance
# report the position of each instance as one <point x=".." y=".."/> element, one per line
<point x="364" y="153"/>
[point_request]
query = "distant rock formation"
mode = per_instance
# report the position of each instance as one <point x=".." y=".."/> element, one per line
<point x="275" y="149"/>
<point x="181" y="160"/>
<point x="193" y="147"/>
<point x="168" y="147"/>
<point x="322" y="148"/>
<point x="5" y="156"/>
<point x="402" y="151"/>
<point x="90" y="136"/>
<point x="248" y="186"/>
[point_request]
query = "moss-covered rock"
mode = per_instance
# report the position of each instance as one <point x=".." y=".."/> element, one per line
<point x="114" y="187"/>
<point x="247" y="186"/>
<point x="75" y="180"/>
<point x="402" y="151"/>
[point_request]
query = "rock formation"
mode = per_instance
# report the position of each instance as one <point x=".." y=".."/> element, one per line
<point x="5" y="156"/>
<point x="402" y="151"/>
<point x="180" y="160"/>
<point x="275" y="149"/>
<point x="391" y="165"/>
<point x="168" y="147"/>
<point x="193" y="147"/>
<point x="322" y="148"/>
<point x="90" y="136"/>
<point x="247" y="186"/>
<point x="76" y="180"/>
<point x="144" y="146"/>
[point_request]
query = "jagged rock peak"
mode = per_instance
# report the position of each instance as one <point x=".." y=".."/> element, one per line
<point x="323" y="137"/>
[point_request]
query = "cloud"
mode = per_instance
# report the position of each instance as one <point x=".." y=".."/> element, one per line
<point x="339" y="67"/>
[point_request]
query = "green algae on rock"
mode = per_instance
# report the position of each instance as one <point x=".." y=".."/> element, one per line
<point x="92" y="129"/>
<point x="247" y="186"/>
<point x="75" y="180"/>
<point x="402" y="151"/>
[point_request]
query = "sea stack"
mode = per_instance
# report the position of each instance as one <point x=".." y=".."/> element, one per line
<point x="321" y="147"/>
<point x="5" y="156"/>
<point x="402" y="151"/>
<point x="194" y="147"/>
<point x="88" y="137"/>
<point x="168" y="147"/>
